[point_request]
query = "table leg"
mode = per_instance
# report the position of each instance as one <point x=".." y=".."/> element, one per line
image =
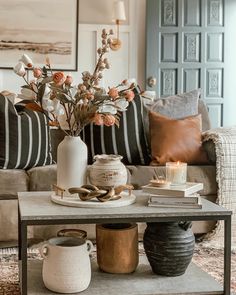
<point x="23" y="264"/>
<point x="227" y="255"/>
<point x="19" y="234"/>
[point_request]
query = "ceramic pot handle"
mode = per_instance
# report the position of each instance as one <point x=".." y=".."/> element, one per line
<point x="89" y="246"/>
<point x="88" y="173"/>
<point x="44" y="251"/>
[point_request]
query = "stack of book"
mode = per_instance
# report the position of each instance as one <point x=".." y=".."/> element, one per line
<point x="183" y="196"/>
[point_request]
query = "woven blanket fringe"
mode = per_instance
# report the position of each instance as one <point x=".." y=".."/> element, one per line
<point x="225" y="147"/>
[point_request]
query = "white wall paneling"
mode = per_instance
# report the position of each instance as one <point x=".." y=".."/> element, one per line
<point x="100" y="11"/>
<point x="229" y="109"/>
<point x="123" y="62"/>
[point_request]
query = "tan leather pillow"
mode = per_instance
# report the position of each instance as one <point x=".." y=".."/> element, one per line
<point x="176" y="140"/>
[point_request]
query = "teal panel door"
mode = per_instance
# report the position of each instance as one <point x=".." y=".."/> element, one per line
<point x="186" y="50"/>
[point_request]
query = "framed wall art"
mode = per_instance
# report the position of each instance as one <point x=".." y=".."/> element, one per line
<point x="39" y="28"/>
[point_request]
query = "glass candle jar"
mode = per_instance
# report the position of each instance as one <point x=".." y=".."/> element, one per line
<point x="176" y="173"/>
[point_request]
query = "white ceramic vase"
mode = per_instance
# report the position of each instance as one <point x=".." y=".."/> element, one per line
<point x="66" y="264"/>
<point x="107" y="171"/>
<point x="72" y="155"/>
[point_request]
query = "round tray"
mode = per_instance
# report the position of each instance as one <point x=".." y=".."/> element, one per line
<point x="125" y="200"/>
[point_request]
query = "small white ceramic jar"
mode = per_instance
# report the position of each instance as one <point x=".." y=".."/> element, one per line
<point x="108" y="171"/>
<point x="66" y="264"/>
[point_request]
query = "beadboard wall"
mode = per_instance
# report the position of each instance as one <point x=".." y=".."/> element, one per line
<point x="128" y="62"/>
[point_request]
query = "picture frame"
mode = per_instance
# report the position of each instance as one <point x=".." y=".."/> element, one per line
<point x="40" y="29"/>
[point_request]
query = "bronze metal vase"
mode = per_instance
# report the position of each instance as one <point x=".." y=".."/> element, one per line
<point x="117" y="247"/>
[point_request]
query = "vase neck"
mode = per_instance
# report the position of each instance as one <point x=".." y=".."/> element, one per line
<point x="108" y="158"/>
<point x="72" y="138"/>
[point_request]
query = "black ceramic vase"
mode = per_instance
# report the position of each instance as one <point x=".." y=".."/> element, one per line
<point x="169" y="247"/>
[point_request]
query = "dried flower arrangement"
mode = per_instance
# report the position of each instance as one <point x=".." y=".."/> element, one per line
<point x="53" y="93"/>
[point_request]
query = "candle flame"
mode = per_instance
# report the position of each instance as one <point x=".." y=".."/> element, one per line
<point x="178" y="162"/>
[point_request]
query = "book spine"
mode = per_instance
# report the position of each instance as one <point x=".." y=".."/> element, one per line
<point x="182" y="191"/>
<point x="163" y="192"/>
<point x="188" y="206"/>
<point x="169" y="199"/>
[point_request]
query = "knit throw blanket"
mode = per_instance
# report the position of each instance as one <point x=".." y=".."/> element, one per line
<point x="225" y="146"/>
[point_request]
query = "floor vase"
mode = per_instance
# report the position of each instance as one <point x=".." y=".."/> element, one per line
<point x="72" y="155"/>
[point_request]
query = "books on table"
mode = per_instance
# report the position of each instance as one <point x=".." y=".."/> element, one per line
<point x="184" y="190"/>
<point x="191" y="202"/>
<point x="183" y="196"/>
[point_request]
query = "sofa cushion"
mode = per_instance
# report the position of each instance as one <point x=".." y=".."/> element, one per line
<point x="206" y="174"/>
<point x="24" y="137"/>
<point x="127" y="140"/>
<point x="42" y="178"/>
<point x="176" y="140"/>
<point x="175" y="107"/>
<point x="13" y="181"/>
<point x="178" y="106"/>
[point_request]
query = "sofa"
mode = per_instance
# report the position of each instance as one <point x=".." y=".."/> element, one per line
<point x="42" y="178"/>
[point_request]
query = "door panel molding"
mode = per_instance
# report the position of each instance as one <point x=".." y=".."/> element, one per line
<point x="186" y="47"/>
<point x="169" y="13"/>
<point x="215" y="15"/>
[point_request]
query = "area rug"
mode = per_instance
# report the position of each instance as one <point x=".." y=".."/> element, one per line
<point x="209" y="259"/>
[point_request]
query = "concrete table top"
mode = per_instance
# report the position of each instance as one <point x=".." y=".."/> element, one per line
<point x="36" y="207"/>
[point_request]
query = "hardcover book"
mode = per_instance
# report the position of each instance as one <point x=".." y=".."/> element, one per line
<point x="184" y="190"/>
<point x="192" y="199"/>
<point x="177" y="203"/>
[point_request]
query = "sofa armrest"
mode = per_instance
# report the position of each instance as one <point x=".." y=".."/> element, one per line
<point x="224" y="137"/>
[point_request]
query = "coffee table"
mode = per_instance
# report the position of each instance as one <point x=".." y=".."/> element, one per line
<point x="36" y="208"/>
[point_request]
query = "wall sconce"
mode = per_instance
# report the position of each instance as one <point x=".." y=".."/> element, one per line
<point x="118" y="16"/>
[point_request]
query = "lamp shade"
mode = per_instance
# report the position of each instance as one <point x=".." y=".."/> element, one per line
<point x="119" y="10"/>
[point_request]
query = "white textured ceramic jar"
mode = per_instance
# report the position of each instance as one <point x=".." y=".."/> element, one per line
<point x="66" y="264"/>
<point x="107" y="171"/>
<point x="72" y="155"/>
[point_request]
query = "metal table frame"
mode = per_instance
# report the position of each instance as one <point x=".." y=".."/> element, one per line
<point x="23" y="224"/>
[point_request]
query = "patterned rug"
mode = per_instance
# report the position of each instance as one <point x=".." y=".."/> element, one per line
<point x="209" y="259"/>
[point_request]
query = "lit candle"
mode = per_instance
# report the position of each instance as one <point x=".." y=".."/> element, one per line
<point x="176" y="172"/>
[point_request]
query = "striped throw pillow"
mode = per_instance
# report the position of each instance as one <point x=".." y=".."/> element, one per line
<point x="127" y="140"/>
<point x="24" y="137"/>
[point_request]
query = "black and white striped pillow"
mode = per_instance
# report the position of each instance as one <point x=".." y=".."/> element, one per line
<point x="127" y="140"/>
<point x="24" y="137"/>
